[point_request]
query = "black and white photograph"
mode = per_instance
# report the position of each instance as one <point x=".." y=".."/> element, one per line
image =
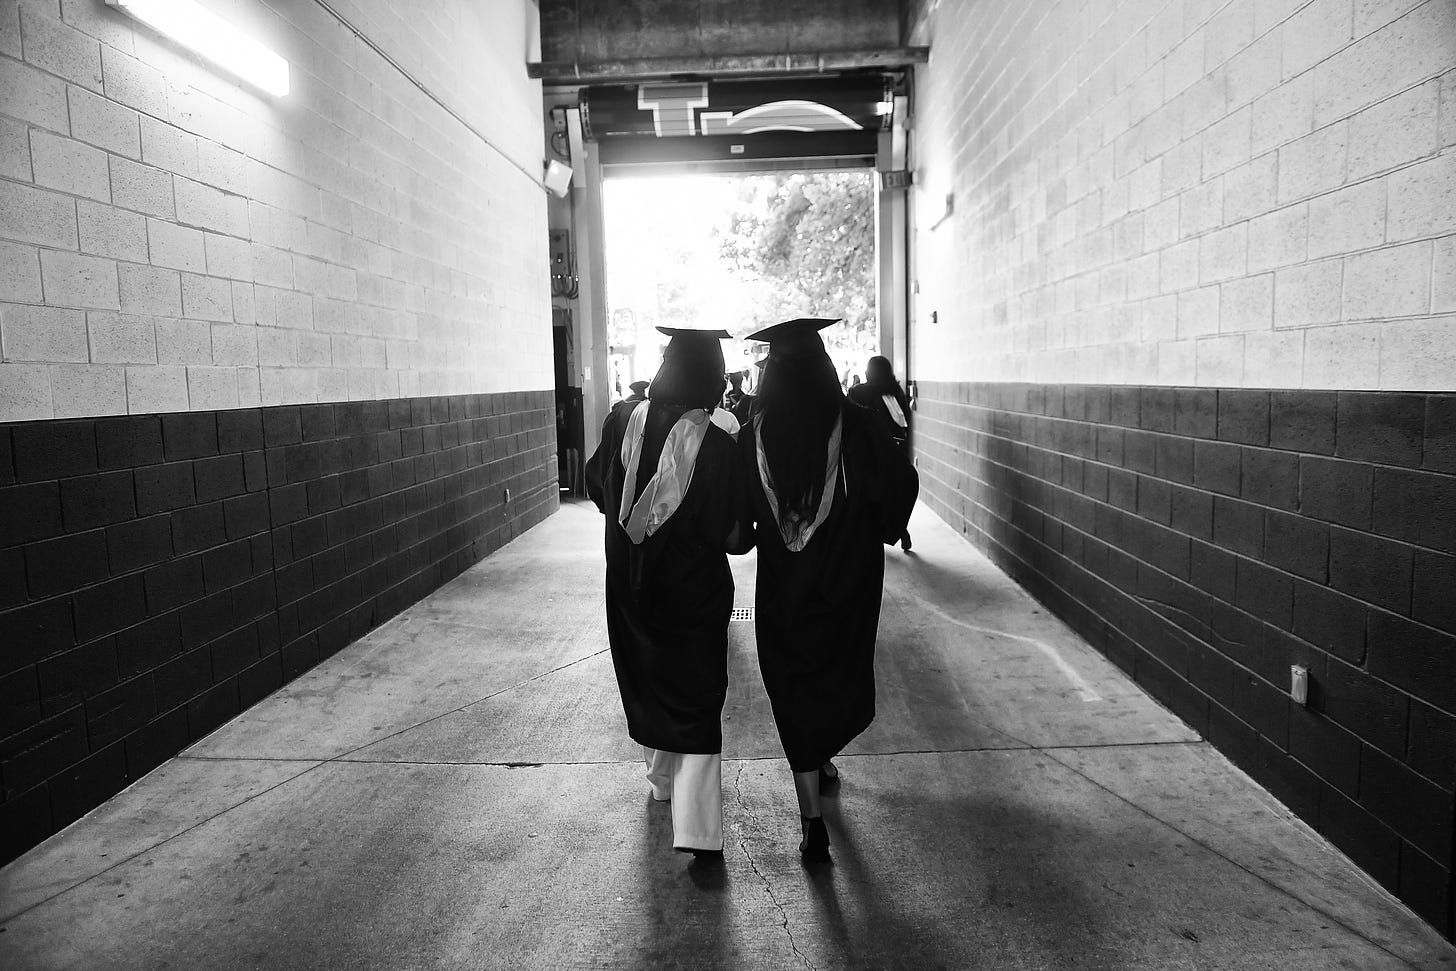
<point x="686" y="484"/>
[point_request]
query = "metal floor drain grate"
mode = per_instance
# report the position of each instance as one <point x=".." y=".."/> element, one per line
<point x="741" y="613"/>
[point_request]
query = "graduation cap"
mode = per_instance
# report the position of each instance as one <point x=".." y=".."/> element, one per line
<point x="638" y="387"/>
<point x="692" y="367"/>
<point x="794" y="337"/>
<point x="691" y="345"/>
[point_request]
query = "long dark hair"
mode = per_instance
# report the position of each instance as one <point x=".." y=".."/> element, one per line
<point x="880" y="376"/>
<point x="799" y="400"/>
<point x="689" y="381"/>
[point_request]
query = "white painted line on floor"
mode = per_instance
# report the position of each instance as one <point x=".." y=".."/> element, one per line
<point x="1078" y="682"/>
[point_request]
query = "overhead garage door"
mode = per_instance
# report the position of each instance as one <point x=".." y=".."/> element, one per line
<point x="736" y="125"/>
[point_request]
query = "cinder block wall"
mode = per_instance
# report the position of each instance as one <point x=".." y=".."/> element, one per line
<point x="270" y="365"/>
<point x="1195" y="322"/>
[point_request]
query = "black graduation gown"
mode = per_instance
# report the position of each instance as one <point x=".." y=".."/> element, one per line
<point x="864" y="395"/>
<point x="669" y="597"/>
<point x="818" y="610"/>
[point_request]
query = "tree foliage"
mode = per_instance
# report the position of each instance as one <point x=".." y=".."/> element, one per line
<point x="809" y="239"/>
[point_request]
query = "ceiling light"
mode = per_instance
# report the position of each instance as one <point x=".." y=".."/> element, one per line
<point x="193" y="26"/>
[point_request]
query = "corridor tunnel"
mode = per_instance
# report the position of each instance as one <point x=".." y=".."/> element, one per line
<point x="1172" y="284"/>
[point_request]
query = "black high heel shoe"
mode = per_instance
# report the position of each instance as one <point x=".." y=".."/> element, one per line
<point x="815" y="844"/>
<point x="828" y="779"/>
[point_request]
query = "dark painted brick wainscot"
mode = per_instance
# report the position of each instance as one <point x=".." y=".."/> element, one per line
<point x="1206" y="540"/>
<point x="161" y="573"/>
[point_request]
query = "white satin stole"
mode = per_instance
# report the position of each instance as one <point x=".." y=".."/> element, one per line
<point x="669" y="483"/>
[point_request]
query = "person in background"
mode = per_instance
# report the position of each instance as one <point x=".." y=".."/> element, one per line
<point x="827" y="488"/>
<point x="734" y="395"/>
<point x="882" y="394"/>
<point x="723" y="415"/>
<point x="673" y="490"/>
<point x="744" y="408"/>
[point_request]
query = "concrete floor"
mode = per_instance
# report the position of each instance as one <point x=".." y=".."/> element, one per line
<point x="457" y="790"/>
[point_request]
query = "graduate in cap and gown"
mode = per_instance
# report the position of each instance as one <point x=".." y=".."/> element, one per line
<point x="744" y="408"/>
<point x="672" y="487"/>
<point x="639" y="391"/>
<point x="881" y="393"/>
<point x="827" y="488"/>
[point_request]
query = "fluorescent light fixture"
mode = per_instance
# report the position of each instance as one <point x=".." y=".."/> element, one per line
<point x="194" y="26"/>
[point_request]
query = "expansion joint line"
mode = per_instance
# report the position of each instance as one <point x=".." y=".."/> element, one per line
<point x="292" y="778"/>
<point x="6" y="918"/>
<point x="368" y="42"/>
<point x="445" y="714"/>
<point x="753" y="864"/>
<point x="344" y="758"/>
<point x="1323" y="912"/>
<point x="1049" y="752"/>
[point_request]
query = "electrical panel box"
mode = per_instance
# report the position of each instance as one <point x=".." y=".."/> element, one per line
<point x="560" y="253"/>
<point x="563" y="272"/>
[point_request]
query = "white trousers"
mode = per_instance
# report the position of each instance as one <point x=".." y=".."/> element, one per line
<point x="694" y="783"/>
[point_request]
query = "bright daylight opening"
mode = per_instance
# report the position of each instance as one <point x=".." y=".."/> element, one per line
<point x="739" y="252"/>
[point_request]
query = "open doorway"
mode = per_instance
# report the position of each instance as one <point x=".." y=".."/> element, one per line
<point x="738" y="252"/>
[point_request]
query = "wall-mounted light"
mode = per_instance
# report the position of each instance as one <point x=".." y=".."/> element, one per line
<point x="194" y="26"/>
<point x="557" y="178"/>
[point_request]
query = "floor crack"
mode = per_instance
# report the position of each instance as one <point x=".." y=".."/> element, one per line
<point x="767" y="885"/>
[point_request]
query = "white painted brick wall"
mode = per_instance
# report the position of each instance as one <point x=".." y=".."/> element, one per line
<point x="14" y="150"/>
<point x="141" y="188"/>
<point x="178" y="247"/>
<point x="149" y="289"/>
<point x="206" y="297"/>
<point x="1443" y="276"/>
<point x="1247" y="303"/>
<point x="59" y="49"/>
<point x="1392" y="132"/>
<point x="69" y="165"/>
<point x="37" y="216"/>
<point x="1423" y="199"/>
<point x="50" y="334"/>
<point x="33" y="96"/>
<point x="1390" y="282"/>
<point x="102" y="123"/>
<point x="1308" y="294"/>
<point x="78" y="390"/>
<point x="183" y="341"/>
<point x="108" y="231"/>
<point x="19" y="273"/>
<point x="212" y="387"/>
<point x="1253" y="193"/>
<point x="159" y="388"/>
<point x="172" y="240"/>
<point x="1347" y="220"/>
<point x="121" y="338"/>
<point x="73" y="280"/>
